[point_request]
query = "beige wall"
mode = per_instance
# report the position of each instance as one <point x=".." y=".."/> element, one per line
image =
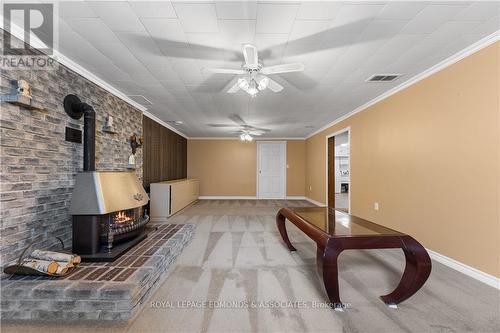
<point x="296" y="168"/>
<point x="430" y="155"/>
<point x="229" y="167"/>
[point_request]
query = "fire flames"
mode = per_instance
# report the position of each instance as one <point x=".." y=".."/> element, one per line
<point x="122" y="217"/>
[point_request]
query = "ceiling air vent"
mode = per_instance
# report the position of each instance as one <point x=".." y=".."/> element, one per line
<point x="383" y="77"/>
<point x="141" y="99"/>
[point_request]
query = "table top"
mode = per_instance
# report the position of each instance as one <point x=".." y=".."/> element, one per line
<point x="339" y="224"/>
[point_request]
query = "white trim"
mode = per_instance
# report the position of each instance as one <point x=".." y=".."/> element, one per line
<point x="348" y="130"/>
<point x="419" y="77"/>
<point x="238" y="139"/>
<point x="284" y="169"/>
<point x="164" y="124"/>
<point x="227" y="197"/>
<point x="236" y="197"/>
<point x="295" y="197"/>
<point x="465" y="269"/>
<point x="317" y="203"/>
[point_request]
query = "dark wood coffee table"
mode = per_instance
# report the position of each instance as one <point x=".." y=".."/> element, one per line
<point x="335" y="231"/>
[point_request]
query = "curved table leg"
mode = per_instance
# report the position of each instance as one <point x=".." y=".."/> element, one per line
<point x="280" y="222"/>
<point x="326" y="263"/>
<point x="417" y="270"/>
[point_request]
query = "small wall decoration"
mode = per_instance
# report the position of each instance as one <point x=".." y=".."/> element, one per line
<point x="23" y="88"/>
<point x="135" y="142"/>
<point x="108" y="125"/>
<point x="20" y="94"/>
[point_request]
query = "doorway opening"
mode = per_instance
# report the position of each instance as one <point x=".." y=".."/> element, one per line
<point x="339" y="171"/>
<point x="271" y="170"/>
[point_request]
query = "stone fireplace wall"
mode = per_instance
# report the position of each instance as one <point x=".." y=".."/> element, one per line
<point x="38" y="166"/>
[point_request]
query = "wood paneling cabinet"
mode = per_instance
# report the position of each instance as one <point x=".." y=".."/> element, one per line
<point x="169" y="197"/>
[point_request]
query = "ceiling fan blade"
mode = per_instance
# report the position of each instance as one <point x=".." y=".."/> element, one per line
<point x="223" y="126"/>
<point x="251" y="56"/>
<point x="224" y="71"/>
<point x="285" y="68"/>
<point x="274" y="86"/>
<point x="234" y="88"/>
<point x="237" y="119"/>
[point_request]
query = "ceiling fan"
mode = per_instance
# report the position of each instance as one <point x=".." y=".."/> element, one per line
<point x="246" y="131"/>
<point x="253" y="75"/>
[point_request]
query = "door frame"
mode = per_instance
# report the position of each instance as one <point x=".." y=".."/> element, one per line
<point x="259" y="143"/>
<point x="348" y="130"/>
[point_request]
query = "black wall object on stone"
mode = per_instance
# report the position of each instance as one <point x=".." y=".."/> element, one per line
<point x="73" y="135"/>
<point x="75" y="109"/>
<point x="164" y="153"/>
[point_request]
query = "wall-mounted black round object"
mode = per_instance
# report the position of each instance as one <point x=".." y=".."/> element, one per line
<point x="72" y="106"/>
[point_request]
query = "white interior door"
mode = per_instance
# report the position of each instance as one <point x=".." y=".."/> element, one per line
<point x="271" y="170"/>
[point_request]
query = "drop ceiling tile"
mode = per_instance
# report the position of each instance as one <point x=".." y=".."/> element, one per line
<point x="383" y="29"/>
<point x="115" y="51"/>
<point x="402" y="43"/>
<point x="488" y="27"/>
<point x="139" y="43"/>
<point x="431" y="17"/>
<point x="482" y="10"/>
<point x="311" y="10"/>
<point x="153" y="9"/>
<point x="237" y="10"/>
<point x="308" y="28"/>
<point x="75" y="9"/>
<point x="132" y="67"/>
<point x="112" y="73"/>
<point x="92" y="29"/>
<point x="263" y="41"/>
<point x="185" y="67"/>
<point x="119" y="16"/>
<point x="275" y="18"/>
<point x="197" y="17"/>
<point x="404" y="10"/>
<point x="237" y="31"/>
<point x="450" y="31"/>
<point x="164" y="28"/>
<point x="324" y="59"/>
<point x="173" y="85"/>
<point x="353" y="18"/>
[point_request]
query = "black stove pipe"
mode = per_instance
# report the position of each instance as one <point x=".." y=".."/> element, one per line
<point x="88" y="138"/>
<point x="75" y="109"/>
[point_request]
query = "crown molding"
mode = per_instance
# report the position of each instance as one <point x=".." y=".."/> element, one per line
<point x="482" y="43"/>
<point x="238" y="139"/>
<point x="163" y="123"/>
<point x="18" y="32"/>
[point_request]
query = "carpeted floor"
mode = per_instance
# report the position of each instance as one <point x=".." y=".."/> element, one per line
<point x="237" y="257"/>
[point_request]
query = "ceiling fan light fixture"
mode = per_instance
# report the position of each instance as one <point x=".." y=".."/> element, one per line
<point x="263" y="83"/>
<point x="253" y="88"/>
<point x="243" y="84"/>
<point x="245" y="137"/>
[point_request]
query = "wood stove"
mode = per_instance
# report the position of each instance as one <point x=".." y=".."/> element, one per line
<point x="107" y="206"/>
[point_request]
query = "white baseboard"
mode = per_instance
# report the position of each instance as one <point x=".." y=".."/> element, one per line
<point x="235" y="197"/>
<point x="317" y="203"/>
<point x="227" y="197"/>
<point x="294" y="197"/>
<point x="465" y="269"/>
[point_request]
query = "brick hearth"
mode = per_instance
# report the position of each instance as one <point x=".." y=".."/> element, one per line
<point x="104" y="291"/>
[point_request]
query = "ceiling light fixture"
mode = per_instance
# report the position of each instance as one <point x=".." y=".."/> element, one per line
<point x="253" y="85"/>
<point x="246" y="137"/>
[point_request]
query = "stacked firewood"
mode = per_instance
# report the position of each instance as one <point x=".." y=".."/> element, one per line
<point x="51" y="262"/>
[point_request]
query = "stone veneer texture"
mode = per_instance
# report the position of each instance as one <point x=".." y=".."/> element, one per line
<point x="38" y="166"/>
